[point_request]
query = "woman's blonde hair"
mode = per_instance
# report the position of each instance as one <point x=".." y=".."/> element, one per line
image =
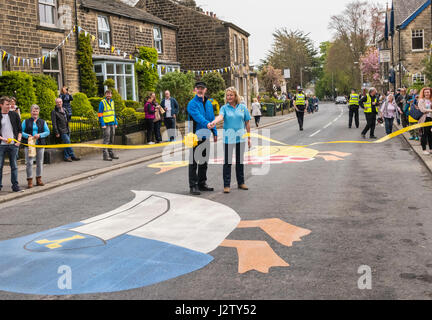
<point x="255" y="100"/>
<point x="233" y="90"/>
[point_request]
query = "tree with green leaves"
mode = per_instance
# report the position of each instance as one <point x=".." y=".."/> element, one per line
<point x="181" y="87"/>
<point x="88" y="80"/>
<point x="147" y="75"/>
<point x="294" y="50"/>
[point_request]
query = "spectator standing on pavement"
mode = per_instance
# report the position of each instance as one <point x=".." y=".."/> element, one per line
<point x="236" y="119"/>
<point x="158" y="119"/>
<point x="109" y="123"/>
<point x="388" y="111"/>
<point x="10" y="128"/>
<point x="66" y="98"/>
<point x="35" y="131"/>
<point x="401" y="101"/>
<point x="13" y="106"/>
<point x="353" y="105"/>
<point x="300" y="105"/>
<point x="60" y="124"/>
<point x="371" y="108"/>
<point x="256" y="111"/>
<point x="149" y="110"/>
<point x="201" y="114"/>
<point x="171" y="107"/>
<point x="425" y="106"/>
<point x="413" y="103"/>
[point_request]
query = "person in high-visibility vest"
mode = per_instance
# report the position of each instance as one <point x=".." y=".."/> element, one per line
<point x="353" y="106"/>
<point x="108" y="122"/>
<point x="300" y="105"/>
<point x="370" y="105"/>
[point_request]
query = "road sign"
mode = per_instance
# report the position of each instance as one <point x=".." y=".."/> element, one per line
<point x="287" y="73"/>
<point x="385" y="56"/>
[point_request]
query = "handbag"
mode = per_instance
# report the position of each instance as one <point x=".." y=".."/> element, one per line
<point x="157" y="116"/>
<point x="415" y="113"/>
<point x="31" y="150"/>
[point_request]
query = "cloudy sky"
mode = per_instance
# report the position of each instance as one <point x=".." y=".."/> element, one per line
<point x="262" y="17"/>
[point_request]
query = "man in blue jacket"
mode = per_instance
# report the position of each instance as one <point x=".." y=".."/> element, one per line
<point x="171" y="108"/>
<point x="201" y="114"/>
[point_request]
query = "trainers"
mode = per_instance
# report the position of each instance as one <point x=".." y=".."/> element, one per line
<point x="426" y="153"/>
<point x="412" y="138"/>
<point x="417" y="139"/>
<point x="68" y="160"/>
<point x="76" y="159"/>
<point x="151" y="143"/>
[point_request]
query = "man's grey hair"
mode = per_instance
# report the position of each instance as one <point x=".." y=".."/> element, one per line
<point x="372" y="89"/>
<point x="35" y="106"/>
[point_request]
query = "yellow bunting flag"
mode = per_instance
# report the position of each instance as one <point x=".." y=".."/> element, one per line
<point x="93" y="38"/>
<point x="4" y="54"/>
<point x="19" y="59"/>
<point x="112" y="49"/>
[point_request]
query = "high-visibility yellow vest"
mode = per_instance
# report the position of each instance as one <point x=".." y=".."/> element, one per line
<point x="109" y="112"/>
<point x="368" y="105"/>
<point x="354" y="99"/>
<point x="300" y="100"/>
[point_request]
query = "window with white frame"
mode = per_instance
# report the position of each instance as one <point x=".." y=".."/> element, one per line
<point x="104" y="32"/>
<point x="157" y="35"/>
<point x="48" y="12"/>
<point x="163" y="69"/>
<point x="243" y="51"/>
<point x="123" y="74"/>
<point x="52" y="65"/>
<point x="418" y="77"/>
<point x="417" y="40"/>
<point x="235" y="48"/>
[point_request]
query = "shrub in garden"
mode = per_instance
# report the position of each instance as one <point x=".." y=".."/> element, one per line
<point x="147" y="76"/>
<point x="46" y="102"/>
<point x="41" y="81"/>
<point x="95" y="101"/>
<point x="215" y="84"/>
<point x="81" y="107"/>
<point x="128" y="114"/>
<point x="88" y="78"/>
<point x="119" y="104"/>
<point x="19" y="85"/>
<point x="132" y="104"/>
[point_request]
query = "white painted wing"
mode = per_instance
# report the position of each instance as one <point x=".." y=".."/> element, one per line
<point x="193" y="223"/>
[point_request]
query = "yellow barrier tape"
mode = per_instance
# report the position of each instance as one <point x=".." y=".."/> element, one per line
<point x="191" y="140"/>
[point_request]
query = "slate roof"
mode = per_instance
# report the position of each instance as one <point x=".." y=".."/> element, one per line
<point x="121" y="9"/>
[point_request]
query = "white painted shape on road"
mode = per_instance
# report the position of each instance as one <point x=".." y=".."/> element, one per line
<point x="120" y="223"/>
<point x="192" y="223"/>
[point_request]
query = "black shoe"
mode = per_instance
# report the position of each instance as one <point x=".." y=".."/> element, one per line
<point x="107" y="159"/>
<point x="17" y="189"/>
<point x="76" y="159"/>
<point x="363" y="136"/>
<point x="373" y="137"/>
<point x="68" y="160"/>
<point x="205" y="188"/>
<point x="194" y="191"/>
<point x="115" y="157"/>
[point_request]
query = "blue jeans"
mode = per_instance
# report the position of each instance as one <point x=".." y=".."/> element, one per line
<point x="12" y="150"/>
<point x="68" y="152"/>
<point x="389" y="125"/>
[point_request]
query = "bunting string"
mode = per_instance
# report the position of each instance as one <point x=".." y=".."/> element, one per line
<point x="36" y="62"/>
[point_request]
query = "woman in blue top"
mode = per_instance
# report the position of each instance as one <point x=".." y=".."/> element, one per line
<point x="37" y="129"/>
<point x="236" y="122"/>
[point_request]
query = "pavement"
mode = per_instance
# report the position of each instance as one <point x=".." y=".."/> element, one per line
<point x="91" y="166"/>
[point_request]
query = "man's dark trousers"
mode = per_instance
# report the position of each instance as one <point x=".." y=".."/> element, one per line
<point x="371" y="123"/>
<point x="199" y="158"/>
<point x="300" y="118"/>
<point x="170" y="124"/>
<point x="354" y="113"/>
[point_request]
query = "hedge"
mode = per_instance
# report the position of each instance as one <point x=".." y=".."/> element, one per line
<point x="81" y="106"/>
<point x="132" y="104"/>
<point x="19" y="85"/>
<point x="95" y="101"/>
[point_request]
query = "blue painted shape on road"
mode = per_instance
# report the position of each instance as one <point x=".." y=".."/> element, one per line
<point x="63" y="240"/>
<point x="124" y="263"/>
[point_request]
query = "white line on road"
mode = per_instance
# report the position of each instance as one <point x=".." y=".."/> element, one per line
<point x="314" y="134"/>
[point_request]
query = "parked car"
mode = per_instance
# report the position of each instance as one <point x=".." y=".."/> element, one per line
<point x="341" y="100"/>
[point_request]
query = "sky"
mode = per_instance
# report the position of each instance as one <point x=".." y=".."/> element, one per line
<point x="262" y="17"/>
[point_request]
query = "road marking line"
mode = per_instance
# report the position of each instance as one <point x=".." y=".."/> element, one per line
<point x="315" y="134"/>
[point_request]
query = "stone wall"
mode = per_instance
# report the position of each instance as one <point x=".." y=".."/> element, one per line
<point x="413" y="60"/>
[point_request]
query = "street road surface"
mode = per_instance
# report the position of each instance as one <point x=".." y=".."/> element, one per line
<point x="354" y="208"/>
